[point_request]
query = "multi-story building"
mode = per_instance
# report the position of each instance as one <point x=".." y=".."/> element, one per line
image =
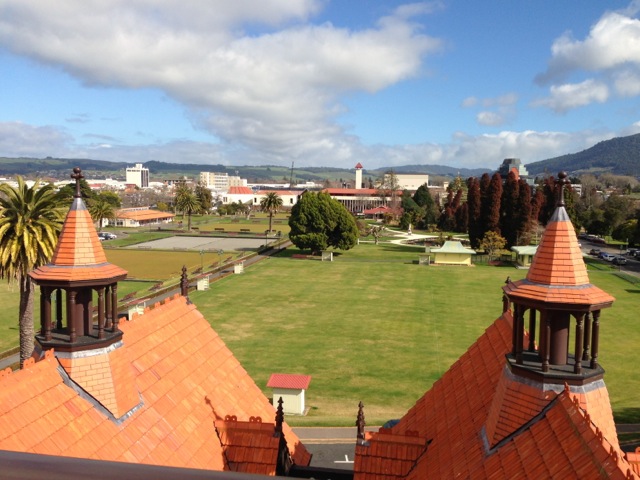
<point x="138" y="176"/>
<point x="221" y="181"/>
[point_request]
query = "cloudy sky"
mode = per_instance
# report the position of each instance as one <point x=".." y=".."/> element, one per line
<point x="316" y="82"/>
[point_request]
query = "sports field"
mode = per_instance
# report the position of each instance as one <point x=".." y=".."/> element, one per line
<point x="375" y="327"/>
<point x="372" y="326"/>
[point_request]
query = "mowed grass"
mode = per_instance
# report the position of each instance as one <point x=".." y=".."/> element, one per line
<point x="382" y="331"/>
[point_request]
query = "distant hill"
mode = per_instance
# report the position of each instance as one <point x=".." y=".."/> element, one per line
<point x="619" y="156"/>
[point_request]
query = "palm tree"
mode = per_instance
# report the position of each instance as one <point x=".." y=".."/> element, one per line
<point x="270" y="204"/>
<point x="30" y="221"/>
<point x="187" y="202"/>
<point x="100" y="209"/>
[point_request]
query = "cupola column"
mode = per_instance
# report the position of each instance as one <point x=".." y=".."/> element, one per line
<point x="577" y="368"/>
<point x="59" y="309"/>
<point x="101" y="313"/>
<point x="595" y="331"/>
<point x="532" y="329"/>
<point x="587" y="337"/>
<point x="45" y="312"/>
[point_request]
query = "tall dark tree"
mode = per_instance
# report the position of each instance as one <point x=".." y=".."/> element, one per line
<point x="462" y="218"/>
<point x="524" y="219"/>
<point x="485" y="203"/>
<point x="494" y="194"/>
<point x="473" y="212"/>
<point x="509" y="210"/>
<point x="425" y="201"/>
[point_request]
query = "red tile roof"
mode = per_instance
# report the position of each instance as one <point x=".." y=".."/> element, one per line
<point x="79" y="254"/>
<point x="358" y="165"/>
<point x="288" y="380"/>
<point x="478" y="421"/>
<point x="250" y="446"/>
<point x="558" y="273"/>
<point x="240" y="190"/>
<point x="146" y="214"/>
<point x="184" y="378"/>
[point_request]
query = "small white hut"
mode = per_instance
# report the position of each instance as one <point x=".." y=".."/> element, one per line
<point x="291" y="388"/>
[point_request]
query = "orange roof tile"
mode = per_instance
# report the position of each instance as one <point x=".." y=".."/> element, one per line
<point x="79" y="254"/>
<point x="481" y="422"/>
<point x="288" y="380"/>
<point x="146" y="214"/>
<point x="240" y="191"/>
<point x="558" y="273"/>
<point x="184" y="378"/>
<point x="250" y="447"/>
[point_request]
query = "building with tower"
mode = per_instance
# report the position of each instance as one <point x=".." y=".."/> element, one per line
<point x="358" y="183"/>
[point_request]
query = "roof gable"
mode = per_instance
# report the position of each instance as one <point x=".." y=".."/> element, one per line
<point x="185" y="376"/>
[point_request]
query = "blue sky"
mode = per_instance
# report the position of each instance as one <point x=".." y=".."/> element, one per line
<point x="316" y="82"/>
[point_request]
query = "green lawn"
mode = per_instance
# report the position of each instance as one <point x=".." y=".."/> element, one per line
<point x="375" y="327"/>
<point x="372" y="325"/>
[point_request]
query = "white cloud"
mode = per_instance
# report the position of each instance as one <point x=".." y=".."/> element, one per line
<point x="573" y="95"/>
<point x="19" y="139"/>
<point x="627" y="83"/>
<point x="608" y="57"/>
<point x="470" y="102"/>
<point x="464" y="150"/>
<point x="612" y="42"/>
<point x="277" y="91"/>
<point x="489" y="118"/>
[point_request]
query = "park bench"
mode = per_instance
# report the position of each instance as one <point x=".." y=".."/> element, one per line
<point x="245" y="230"/>
<point x="219" y="229"/>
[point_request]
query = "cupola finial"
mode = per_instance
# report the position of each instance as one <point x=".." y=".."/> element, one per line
<point x="77" y="176"/>
<point x="561" y="182"/>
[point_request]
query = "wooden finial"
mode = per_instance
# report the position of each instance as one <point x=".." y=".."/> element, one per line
<point x="360" y="423"/>
<point x="561" y="182"/>
<point x="279" y="416"/>
<point x="77" y="175"/>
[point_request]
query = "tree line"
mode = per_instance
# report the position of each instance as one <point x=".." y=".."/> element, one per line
<point x="513" y="209"/>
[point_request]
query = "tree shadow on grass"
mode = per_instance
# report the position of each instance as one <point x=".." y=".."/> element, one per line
<point x="627" y="415"/>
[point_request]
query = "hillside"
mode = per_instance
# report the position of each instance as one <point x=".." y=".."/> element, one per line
<point x="620" y="156"/>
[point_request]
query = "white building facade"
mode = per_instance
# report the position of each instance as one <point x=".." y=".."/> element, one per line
<point x="138" y="176"/>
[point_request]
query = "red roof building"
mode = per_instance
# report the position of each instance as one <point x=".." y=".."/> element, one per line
<point x="521" y="402"/>
<point x="160" y="388"/>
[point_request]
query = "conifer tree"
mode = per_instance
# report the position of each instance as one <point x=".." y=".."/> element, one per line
<point x="524" y="220"/>
<point x="494" y="195"/>
<point x="473" y="212"/>
<point x="509" y="210"/>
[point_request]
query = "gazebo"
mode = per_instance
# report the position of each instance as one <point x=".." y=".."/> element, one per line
<point x="452" y="253"/>
<point x="524" y="254"/>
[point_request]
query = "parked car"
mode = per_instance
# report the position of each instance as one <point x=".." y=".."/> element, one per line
<point x="619" y="261"/>
<point x="107" y="235"/>
<point x="606" y="256"/>
<point x="595" y="252"/>
<point x="632" y="252"/>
